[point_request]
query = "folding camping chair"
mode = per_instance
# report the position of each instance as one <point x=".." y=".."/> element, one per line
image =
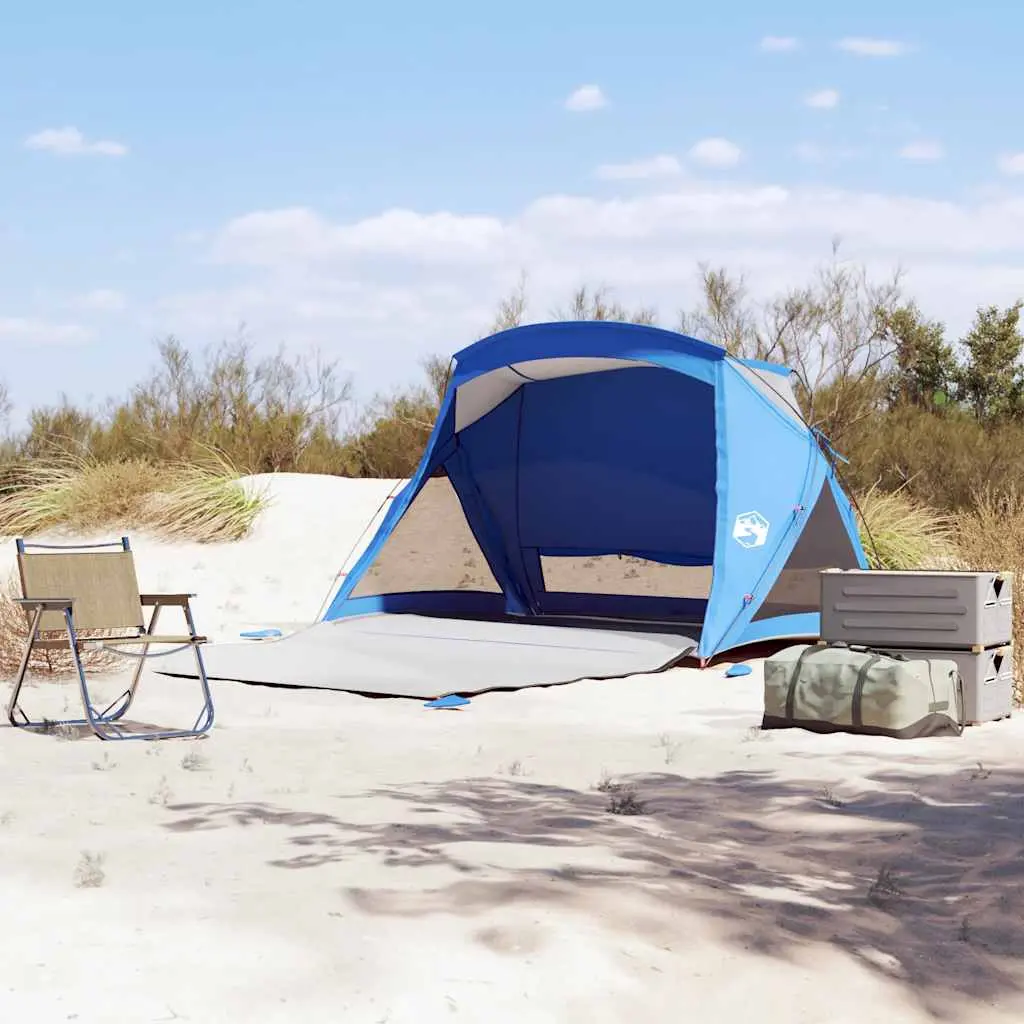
<point x="87" y="596"/>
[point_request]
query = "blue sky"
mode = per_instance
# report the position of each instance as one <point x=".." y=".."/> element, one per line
<point x="184" y="168"/>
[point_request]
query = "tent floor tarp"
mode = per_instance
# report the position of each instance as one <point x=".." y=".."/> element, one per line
<point x="418" y="656"/>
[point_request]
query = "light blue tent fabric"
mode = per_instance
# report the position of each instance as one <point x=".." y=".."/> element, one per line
<point x="586" y="439"/>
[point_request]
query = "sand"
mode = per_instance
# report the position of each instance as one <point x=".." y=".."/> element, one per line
<point x="323" y="857"/>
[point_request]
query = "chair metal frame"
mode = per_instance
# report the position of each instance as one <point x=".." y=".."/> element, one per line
<point x="106" y="723"/>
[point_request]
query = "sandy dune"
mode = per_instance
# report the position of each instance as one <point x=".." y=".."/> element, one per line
<point x="322" y="857"/>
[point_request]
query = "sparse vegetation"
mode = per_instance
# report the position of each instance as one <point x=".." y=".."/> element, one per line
<point x="194" y="761"/>
<point x="829" y="798"/>
<point x="884" y="890"/>
<point x="104" y="764"/>
<point x="89" y="873"/>
<point x="201" y="501"/>
<point x="898" y="533"/>
<point x="162" y="795"/>
<point x="50" y="662"/>
<point x="670" y="747"/>
<point x="61" y="730"/>
<point x="623" y="798"/>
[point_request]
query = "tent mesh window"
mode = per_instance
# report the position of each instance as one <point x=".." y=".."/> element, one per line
<point x="623" y="576"/>
<point x="430" y="549"/>
<point x="824" y="544"/>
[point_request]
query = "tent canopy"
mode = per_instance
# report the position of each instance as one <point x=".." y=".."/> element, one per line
<point x="602" y="470"/>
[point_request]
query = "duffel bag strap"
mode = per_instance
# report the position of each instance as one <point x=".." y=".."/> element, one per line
<point x="861" y="649"/>
<point x="856" y="715"/>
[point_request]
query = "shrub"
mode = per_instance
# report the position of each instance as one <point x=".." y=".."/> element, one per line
<point x="55" y="662"/>
<point x="265" y="414"/>
<point x="991" y="538"/>
<point x="942" y="460"/>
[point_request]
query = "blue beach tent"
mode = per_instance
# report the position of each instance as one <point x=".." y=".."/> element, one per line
<point x="617" y="472"/>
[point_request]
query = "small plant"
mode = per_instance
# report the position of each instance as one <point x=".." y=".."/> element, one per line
<point x="162" y="795"/>
<point x="625" y="800"/>
<point x="755" y="733"/>
<point x="605" y="783"/>
<point x="515" y="768"/>
<point x="104" y="764"/>
<point x="884" y="890"/>
<point x="829" y="797"/>
<point x="194" y="761"/>
<point x="64" y="731"/>
<point x="981" y="772"/>
<point x="669" y="746"/>
<point x="89" y="873"/>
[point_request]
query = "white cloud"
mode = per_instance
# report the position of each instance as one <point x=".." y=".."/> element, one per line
<point x="863" y="46"/>
<point x="923" y="150"/>
<point x="815" y="153"/>
<point x="662" y="166"/>
<point x="103" y="300"/>
<point x="586" y="98"/>
<point x="1011" y="164"/>
<point x="71" y="142"/>
<point x="823" y="99"/>
<point x="28" y="331"/>
<point x="779" y="44"/>
<point x="716" y="152"/>
<point x="262" y="238"/>
<point x="382" y="291"/>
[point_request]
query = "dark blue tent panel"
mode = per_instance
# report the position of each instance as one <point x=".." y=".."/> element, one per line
<point x="605" y="470"/>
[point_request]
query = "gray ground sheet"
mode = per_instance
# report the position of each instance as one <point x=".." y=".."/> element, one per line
<point x="418" y="656"/>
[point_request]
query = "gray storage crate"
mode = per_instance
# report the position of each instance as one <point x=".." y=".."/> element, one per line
<point x="925" y="610"/>
<point x="987" y="679"/>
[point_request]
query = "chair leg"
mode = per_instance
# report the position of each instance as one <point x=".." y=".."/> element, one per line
<point x="13" y="707"/>
<point x="106" y="727"/>
<point x="15" y="713"/>
<point x="109" y="729"/>
<point x="205" y="720"/>
<point x="126" y="698"/>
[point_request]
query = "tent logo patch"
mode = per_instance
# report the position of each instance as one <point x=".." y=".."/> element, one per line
<point x="750" y="530"/>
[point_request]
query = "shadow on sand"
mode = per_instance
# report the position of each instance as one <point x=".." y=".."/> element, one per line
<point x="922" y="878"/>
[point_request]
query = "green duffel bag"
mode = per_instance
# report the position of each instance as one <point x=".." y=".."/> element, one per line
<point x="839" y="688"/>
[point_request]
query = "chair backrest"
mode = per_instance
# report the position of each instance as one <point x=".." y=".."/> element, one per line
<point x="100" y="580"/>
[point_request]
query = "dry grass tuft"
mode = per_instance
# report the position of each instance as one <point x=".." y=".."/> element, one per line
<point x="899" y="533"/>
<point x="202" y="502"/>
<point x="54" y="663"/>
<point x="205" y="503"/>
<point x="991" y="538"/>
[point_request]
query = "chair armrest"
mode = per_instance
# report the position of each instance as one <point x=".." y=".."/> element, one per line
<point x="181" y="600"/>
<point x="49" y="604"/>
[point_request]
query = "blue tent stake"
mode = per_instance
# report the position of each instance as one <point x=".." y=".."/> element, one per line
<point x="452" y="700"/>
<point x="737" y="670"/>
